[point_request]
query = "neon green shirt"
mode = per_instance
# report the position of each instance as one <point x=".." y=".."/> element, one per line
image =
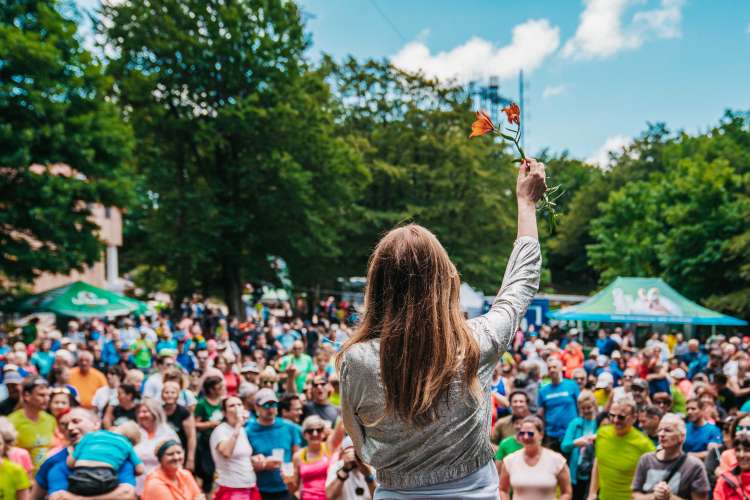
<point x="142" y="353"/>
<point x="12" y="479"/>
<point x="618" y="457"/>
<point x="35" y="437"/>
<point x="507" y="446"/>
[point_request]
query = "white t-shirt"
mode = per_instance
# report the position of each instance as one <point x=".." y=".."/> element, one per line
<point x="105" y="396"/>
<point x="237" y="471"/>
<point x="539" y="481"/>
<point x="349" y="489"/>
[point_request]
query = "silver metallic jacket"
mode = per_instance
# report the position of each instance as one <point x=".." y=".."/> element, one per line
<point x="457" y="444"/>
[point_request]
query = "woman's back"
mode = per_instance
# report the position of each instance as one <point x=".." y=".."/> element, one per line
<point x="456" y="444"/>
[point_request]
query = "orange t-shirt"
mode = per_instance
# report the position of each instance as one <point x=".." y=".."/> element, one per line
<point x="160" y="487"/>
<point x="87" y="385"/>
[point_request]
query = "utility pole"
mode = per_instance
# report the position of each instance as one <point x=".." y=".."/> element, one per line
<point x="523" y="110"/>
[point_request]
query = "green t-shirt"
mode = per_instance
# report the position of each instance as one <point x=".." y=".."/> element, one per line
<point x="208" y="412"/>
<point x="12" y="479"/>
<point x="29" y="333"/>
<point x="142" y="353"/>
<point x="618" y="458"/>
<point x="304" y="366"/>
<point x="679" y="401"/>
<point x="507" y="446"/>
<point x="35" y="437"/>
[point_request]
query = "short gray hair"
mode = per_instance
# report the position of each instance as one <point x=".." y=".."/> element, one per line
<point x="673" y="418"/>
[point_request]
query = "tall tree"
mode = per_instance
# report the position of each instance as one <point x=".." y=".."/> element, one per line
<point x="235" y="140"/>
<point x="54" y="111"/>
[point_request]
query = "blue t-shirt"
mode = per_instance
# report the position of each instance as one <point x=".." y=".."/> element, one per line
<point x="43" y="361"/>
<point x="106" y="447"/>
<point x="264" y="439"/>
<point x="560" y="403"/>
<point x="54" y="471"/>
<point x="697" y="439"/>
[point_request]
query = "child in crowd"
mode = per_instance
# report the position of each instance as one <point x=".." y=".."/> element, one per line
<point x="99" y="455"/>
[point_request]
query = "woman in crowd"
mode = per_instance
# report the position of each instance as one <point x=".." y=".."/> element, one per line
<point x="14" y="480"/>
<point x="578" y="444"/>
<point x="60" y="402"/>
<point x="14" y="453"/>
<point x="186" y="397"/>
<point x="154" y="429"/>
<point x="180" y="420"/>
<point x="269" y="379"/>
<point x="107" y="395"/>
<point x="423" y="428"/>
<point x="534" y="472"/>
<point x="311" y="462"/>
<point x="125" y="409"/>
<point x="232" y="455"/>
<point x="170" y="481"/>
<point x="349" y="478"/>
<point x="208" y="415"/>
<point x="231" y="378"/>
<point x="734" y="484"/>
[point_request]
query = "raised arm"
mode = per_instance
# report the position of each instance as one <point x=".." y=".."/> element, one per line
<point x="521" y="280"/>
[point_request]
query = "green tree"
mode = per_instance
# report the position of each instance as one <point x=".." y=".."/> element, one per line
<point x="236" y="143"/>
<point x="412" y="133"/>
<point x="54" y="111"/>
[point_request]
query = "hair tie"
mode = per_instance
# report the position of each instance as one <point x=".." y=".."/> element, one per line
<point x="161" y="450"/>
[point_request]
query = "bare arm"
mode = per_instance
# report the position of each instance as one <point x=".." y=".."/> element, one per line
<point x="529" y="189"/>
<point x="23" y="494"/>
<point x="594" y="486"/>
<point x="504" y="482"/>
<point x="563" y="483"/>
<point x="37" y="493"/>
<point x="226" y="447"/>
<point x="109" y="417"/>
<point x="189" y="426"/>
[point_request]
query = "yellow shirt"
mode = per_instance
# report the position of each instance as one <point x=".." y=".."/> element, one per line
<point x="34" y="436"/>
<point x="12" y="479"/>
<point x="618" y="458"/>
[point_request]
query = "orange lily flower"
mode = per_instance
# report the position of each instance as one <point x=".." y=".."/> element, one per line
<point x="482" y="125"/>
<point x="513" y="112"/>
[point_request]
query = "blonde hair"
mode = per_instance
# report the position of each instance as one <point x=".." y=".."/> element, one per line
<point x="154" y="407"/>
<point x="8" y="431"/>
<point x="412" y="306"/>
<point x="130" y="430"/>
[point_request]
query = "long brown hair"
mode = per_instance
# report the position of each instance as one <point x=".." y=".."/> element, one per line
<point x="412" y="306"/>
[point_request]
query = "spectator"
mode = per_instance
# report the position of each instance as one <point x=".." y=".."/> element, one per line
<point x="250" y="373"/>
<point x="266" y="434"/>
<point x="86" y="379"/>
<point x="43" y="358"/>
<point x="35" y="427"/>
<point x="519" y="409"/>
<point x="558" y="403"/>
<point x="536" y="471"/>
<point x="578" y="444"/>
<point x="180" y="420"/>
<point x="700" y="434"/>
<point x="290" y="408"/>
<point x="170" y="481"/>
<point x="349" y="478"/>
<point x="14" y="453"/>
<point x="669" y="471"/>
<point x="107" y="395"/>
<point x="639" y="392"/>
<point x="648" y="422"/>
<point x="510" y="444"/>
<point x="663" y="400"/>
<point x="208" y="416"/>
<point x="311" y="462"/>
<point x="603" y="390"/>
<point x="153" y="385"/>
<point x="185" y="398"/>
<point x="52" y="478"/>
<point x="124" y="410"/>
<point x="154" y="429"/>
<point x="579" y="377"/>
<point x="232" y="454"/>
<point x="320" y="404"/>
<point x="60" y="402"/>
<point x="618" y="448"/>
<point x="13" y="382"/>
<point x="302" y="362"/>
<point x="735" y="484"/>
<point x="14" y="480"/>
<point x="231" y="379"/>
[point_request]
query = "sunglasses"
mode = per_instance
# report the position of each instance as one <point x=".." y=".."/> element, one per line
<point x="525" y="434"/>
<point x="319" y="384"/>
<point x="317" y="430"/>
<point x="619" y="418"/>
<point x="267" y="382"/>
<point x="269" y="405"/>
<point x="628" y="377"/>
<point x="742" y="428"/>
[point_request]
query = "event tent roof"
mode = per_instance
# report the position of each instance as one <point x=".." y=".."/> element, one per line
<point x="642" y="300"/>
<point x="80" y="300"/>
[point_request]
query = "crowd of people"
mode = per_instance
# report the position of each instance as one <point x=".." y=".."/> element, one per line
<point x="207" y="407"/>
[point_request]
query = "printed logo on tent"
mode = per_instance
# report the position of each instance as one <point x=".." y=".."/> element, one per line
<point x="88" y="299"/>
<point x="647" y="302"/>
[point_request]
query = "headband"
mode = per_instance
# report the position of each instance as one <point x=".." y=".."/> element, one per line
<point x="161" y="450"/>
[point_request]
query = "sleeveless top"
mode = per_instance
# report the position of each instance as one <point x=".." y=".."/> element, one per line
<point x="313" y="475"/>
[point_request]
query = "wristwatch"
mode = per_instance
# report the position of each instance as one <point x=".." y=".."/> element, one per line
<point x="342" y="475"/>
<point x="369" y="478"/>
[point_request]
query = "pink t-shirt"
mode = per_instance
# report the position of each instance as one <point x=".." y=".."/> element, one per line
<point x="21" y="457"/>
<point x="537" y="482"/>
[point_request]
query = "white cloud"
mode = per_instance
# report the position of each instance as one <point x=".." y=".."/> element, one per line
<point x="601" y="32"/>
<point x="478" y="59"/>
<point x="554" y="90"/>
<point x="614" y="144"/>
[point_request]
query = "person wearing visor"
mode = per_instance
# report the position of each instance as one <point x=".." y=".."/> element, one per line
<point x="274" y="442"/>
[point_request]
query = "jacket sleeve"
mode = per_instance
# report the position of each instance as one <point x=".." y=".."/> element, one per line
<point x="520" y="284"/>
<point x="567" y="443"/>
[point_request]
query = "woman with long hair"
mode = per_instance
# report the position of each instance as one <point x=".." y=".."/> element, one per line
<point x="415" y="377"/>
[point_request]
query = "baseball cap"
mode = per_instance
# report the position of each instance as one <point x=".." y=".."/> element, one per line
<point x="250" y="367"/>
<point x="601" y="360"/>
<point x="678" y="373"/>
<point x="604" y="380"/>
<point x="573" y="332"/>
<point x="12" y="378"/>
<point x="265" y="396"/>
<point x="640" y="383"/>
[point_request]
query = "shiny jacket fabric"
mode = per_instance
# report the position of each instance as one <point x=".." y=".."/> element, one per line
<point x="457" y="444"/>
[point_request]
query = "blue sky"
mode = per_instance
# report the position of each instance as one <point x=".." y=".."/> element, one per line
<point x="596" y="70"/>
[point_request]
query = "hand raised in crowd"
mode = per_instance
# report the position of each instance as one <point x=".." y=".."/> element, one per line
<point x="531" y="183"/>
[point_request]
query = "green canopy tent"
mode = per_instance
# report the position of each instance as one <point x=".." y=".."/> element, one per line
<point x="80" y="300"/>
<point x="643" y="300"/>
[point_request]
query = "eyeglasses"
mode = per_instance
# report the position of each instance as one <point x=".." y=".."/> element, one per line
<point x="619" y="418"/>
<point x="267" y="382"/>
<point x="742" y="428"/>
<point x="525" y="434"/>
<point x="319" y="384"/>
<point x="628" y="377"/>
<point x="270" y="404"/>
<point x="317" y="430"/>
